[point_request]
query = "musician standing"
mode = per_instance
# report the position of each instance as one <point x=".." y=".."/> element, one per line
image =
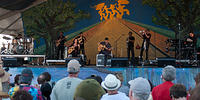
<point x="191" y="41"/>
<point x="130" y="46"/>
<point x="106" y="50"/>
<point x="60" y="47"/>
<point x="81" y="40"/>
<point x="146" y="41"/>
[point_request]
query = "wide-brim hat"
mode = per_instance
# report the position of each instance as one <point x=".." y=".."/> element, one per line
<point x="111" y="82"/>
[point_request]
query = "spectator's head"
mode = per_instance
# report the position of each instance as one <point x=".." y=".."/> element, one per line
<point x="95" y="77"/>
<point x="47" y="76"/>
<point x="195" y="95"/>
<point x="169" y="73"/>
<point x="197" y="79"/>
<point x="139" y="89"/>
<point x="73" y="67"/>
<point x="16" y="79"/>
<point x="22" y="95"/>
<point x="111" y="83"/>
<point x="26" y="76"/>
<point x="89" y="89"/>
<point x="41" y="79"/>
<point x="178" y="91"/>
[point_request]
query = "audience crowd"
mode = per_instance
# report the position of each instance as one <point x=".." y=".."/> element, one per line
<point x="96" y="88"/>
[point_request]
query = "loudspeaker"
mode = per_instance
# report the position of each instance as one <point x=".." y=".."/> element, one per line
<point x="12" y="62"/>
<point x="100" y="58"/>
<point x="119" y="62"/>
<point x="70" y="58"/>
<point x="164" y="61"/>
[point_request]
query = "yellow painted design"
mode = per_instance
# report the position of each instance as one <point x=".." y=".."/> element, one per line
<point x="115" y="10"/>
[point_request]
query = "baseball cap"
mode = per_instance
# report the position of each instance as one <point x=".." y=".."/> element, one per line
<point x="26" y="76"/>
<point x="73" y="66"/>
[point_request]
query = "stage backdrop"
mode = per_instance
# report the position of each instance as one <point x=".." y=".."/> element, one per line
<point x="112" y="19"/>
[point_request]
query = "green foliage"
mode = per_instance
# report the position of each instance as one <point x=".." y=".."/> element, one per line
<point x="171" y="12"/>
<point x="47" y="20"/>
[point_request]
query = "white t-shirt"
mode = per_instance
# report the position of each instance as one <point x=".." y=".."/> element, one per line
<point x="64" y="89"/>
<point x="118" y="96"/>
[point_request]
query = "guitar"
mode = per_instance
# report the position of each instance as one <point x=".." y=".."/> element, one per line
<point x="58" y="41"/>
<point x="102" y="47"/>
<point x="71" y="49"/>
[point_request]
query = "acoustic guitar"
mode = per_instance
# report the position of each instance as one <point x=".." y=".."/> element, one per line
<point x="101" y="47"/>
<point x="71" y="49"/>
<point x="58" y="41"/>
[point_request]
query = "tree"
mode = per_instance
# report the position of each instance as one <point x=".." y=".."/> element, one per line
<point x="47" y="20"/>
<point x="177" y="15"/>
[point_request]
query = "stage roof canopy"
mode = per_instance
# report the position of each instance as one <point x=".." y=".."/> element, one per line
<point x="10" y="15"/>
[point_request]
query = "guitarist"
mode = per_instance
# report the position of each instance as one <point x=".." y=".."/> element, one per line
<point x="130" y="47"/>
<point x="75" y="48"/>
<point x="81" y="40"/>
<point x="60" y="47"/>
<point x="106" y="50"/>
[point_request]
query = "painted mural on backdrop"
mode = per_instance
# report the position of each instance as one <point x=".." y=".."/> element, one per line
<point x="111" y="18"/>
<point x="115" y="10"/>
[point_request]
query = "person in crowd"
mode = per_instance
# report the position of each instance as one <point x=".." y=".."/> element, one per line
<point x="145" y="44"/>
<point x="89" y="89"/>
<point x="195" y="95"/>
<point x="105" y="48"/>
<point x="130" y="46"/>
<point x="197" y="79"/>
<point x="22" y="95"/>
<point x="46" y="85"/>
<point x="178" y="92"/>
<point x="16" y="81"/>
<point x="161" y="92"/>
<point x="25" y="84"/>
<point x="64" y="89"/>
<point x="139" y="89"/>
<point x="95" y="77"/>
<point x="150" y="96"/>
<point x="112" y="84"/>
<point x="123" y="88"/>
<point x="5" y="80"/>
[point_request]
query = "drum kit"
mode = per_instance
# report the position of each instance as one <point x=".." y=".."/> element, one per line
<point x="19" y="46"/>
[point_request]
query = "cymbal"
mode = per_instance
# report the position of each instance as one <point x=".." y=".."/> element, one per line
<point x="6" y="38"/>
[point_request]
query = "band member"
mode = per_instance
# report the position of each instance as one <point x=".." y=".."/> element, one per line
<point x="60" y="45"/>
<point x="130" y="46"/>
<point x="191" y="40"/>
<point x="81" y="40"/>
<point x="146" y="41"/>
<point x="105" y="48"/>
<point x="74" y="49"/>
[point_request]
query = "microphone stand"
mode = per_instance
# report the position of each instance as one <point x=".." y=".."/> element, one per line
<point x="116" y="43"/>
